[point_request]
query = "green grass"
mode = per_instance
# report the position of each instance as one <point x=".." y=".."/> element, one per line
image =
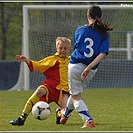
<point x="111" y="110"/>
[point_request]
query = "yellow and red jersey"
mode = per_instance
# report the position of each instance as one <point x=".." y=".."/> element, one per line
<point x="55" y="68"/>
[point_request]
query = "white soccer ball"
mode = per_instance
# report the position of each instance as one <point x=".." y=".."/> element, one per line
<point x="41" y="110"/>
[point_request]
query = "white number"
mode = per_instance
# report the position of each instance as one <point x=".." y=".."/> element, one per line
<point x="90" y="47"/>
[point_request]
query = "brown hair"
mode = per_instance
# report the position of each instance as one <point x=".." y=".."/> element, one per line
<point x="101" y="27"/>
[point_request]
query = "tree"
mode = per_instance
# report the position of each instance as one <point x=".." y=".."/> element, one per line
<point x="11" y="26"/>
<point x="3" y="33"/>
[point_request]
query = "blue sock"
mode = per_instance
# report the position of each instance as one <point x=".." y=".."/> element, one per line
<point x="67" y="112"/>
<point x="86" y="113"/>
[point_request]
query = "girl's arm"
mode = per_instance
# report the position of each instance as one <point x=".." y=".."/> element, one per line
<point x="97" y="60"/>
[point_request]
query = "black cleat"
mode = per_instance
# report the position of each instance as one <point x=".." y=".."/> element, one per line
<point x="58" y="115"/>
<point x="18" y="122"/>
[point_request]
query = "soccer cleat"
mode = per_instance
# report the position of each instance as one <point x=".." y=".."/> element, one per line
<point x="18" y="122"/>
<point x="89" y="125"/>
<point x="58" y="115"/>
<point x="63" y="120"/>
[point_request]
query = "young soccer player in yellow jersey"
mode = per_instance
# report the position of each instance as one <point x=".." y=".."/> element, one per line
<point x="55" y="87"/>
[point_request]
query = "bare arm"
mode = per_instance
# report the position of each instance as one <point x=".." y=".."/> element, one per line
<point x="97" y="60"/>
<point x="22" y="58"/>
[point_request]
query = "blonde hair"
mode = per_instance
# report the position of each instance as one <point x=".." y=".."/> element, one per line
<point x="63" y="40"/>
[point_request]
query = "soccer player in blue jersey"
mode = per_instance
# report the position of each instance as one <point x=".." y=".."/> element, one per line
<point x="91" y="46"/>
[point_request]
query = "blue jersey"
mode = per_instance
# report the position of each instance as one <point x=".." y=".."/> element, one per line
<point x="88" y="44"/>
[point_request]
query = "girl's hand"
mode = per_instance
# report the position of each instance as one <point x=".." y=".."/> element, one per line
<point x="85" y="73"/>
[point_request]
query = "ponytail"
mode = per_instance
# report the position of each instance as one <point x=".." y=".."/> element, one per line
<point x="101" y="27"/>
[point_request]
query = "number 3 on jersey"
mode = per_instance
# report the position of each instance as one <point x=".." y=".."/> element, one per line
<point x="89" y="47"/>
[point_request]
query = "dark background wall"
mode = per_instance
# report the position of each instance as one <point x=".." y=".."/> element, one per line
<point x="8" y="74"/>
<point x="120" y="77"/>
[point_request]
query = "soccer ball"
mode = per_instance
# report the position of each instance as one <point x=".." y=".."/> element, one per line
<point x="41" y="110"/>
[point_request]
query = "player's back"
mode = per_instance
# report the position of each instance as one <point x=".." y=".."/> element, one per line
<point x="88" y="43"/>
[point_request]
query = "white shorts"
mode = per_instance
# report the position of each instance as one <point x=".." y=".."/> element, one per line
<point x="76" y="84"/>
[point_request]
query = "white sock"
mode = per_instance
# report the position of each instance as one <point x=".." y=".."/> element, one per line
<point x="82" y="110"/>
<point x="69" y="107"/>
<point x="70" y="104"/>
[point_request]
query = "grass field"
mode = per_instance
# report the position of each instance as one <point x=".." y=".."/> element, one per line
<point x="111" y="110"/>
